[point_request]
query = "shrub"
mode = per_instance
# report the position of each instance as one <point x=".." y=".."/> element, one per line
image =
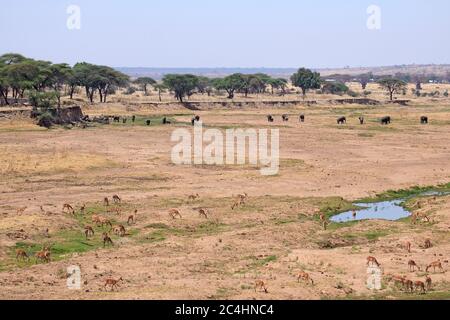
<point x="130" y="90"/>
<point x="335" y="88"/>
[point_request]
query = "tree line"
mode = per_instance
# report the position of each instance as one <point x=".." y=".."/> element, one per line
<point x="44" y="82"/>
<point x="20" y="76"/>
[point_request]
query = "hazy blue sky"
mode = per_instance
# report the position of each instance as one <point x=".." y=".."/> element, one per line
<point x="229" y="33"/>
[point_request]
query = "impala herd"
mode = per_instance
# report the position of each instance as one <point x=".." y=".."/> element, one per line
<point x="119" y="230"/>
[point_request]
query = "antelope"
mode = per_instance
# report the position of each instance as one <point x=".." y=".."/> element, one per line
<point x="112" y="283"/>
<point x="434" y="265"/>
<point x="42" y="209"/>
<point x="322" y="217"/>
<point x="119" y="230"/>
<point x="107" y="240"/>
<point x="259" y="284"/>
<point x="193" y="197"/>
<point x="88" y="231"/>
<point x="413" y="265"/>
<point x="372" y="261"/>
<point x="117" y="199"/>
<point x="429" y="283"/>
<point x="117" y="210"/>
<point x="305" y="277"/>
<point x="203" y="212"/>
<point x="43" y="255"/>
<point x="325" y="225"/>
<point x="409" y="285"/>
<point x="428" y="244"/>
<point x="21" y="210"/>
<point x="68" y="208"/>
<point x="82" y="209"/>
<point x="22" y="255"/>
<point x="99" y="220"/>
<point x="408" y="246"/>
<point x="397" y="280"/>
<point x="241" y="198"/>
<point x="174" y="213"/>
<point x="132" y="218"/>
<point x="106" y="202"/>
<point x="419" y="285"/>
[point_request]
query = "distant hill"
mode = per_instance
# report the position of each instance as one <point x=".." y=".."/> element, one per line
<point x="158" y="73"/>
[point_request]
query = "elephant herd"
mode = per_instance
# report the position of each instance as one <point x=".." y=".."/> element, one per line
<point x="343" y="120"/>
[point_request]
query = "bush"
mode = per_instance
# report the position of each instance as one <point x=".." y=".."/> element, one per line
<point x="446" y="93"/>
<point x="335" y="88"/>
<point x="353" y="94"/>
<point x="130" y="90"/>
<point x="367" y="92"/>
<point x="46" y="119"/>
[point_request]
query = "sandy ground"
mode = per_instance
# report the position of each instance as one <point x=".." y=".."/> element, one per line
<point x="272" y="237"/>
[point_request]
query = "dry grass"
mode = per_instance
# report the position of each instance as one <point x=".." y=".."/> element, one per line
<point x="16" y="162"/>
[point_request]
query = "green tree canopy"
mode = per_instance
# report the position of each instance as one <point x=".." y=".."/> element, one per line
<point x="181" y="85"/>
<point x="144" y="82"/>
<point x="392" y="85"/>
<point x="306" y="80"/>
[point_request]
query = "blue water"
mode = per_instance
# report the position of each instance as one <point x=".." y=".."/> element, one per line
<point x="387" y="210"/>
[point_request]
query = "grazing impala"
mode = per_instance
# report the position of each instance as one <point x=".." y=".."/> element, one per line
<point x="107" y="240"/>
<point x="68" y="208"/>
<point x="174" y="213"/>
<point x="132" y="218"/>
<point x="413" y="265"/>
<point x="88" y="231"/>
<point x="408" y="246"/>
<point x="434" y="265"/>
<point x="305" y="277"/>
<point x="112" y="283"/>
<point x="240" y="200"/>
<point x="21" y="254"/>
<point x="429" y="283"/>
<point x="43" y="255"/>
<point x="419" y="285"/>
<point x="409" y="285"/>
<point x="259" y="284"/>
<point x="117" y="199"/>
<point x="372" y="261"/>
<point x="398" y="280"/>
<point x="21" y="210"/>
<point x="203" y="212"/>
<point x="120" y="231"/>
<point x="193" y="197"/>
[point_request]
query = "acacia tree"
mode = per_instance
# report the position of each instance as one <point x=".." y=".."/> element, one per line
<point x="278" y="83"/>
<point x="392" y="85"/>
<point x="144" y="82"/>
<point x="305" y="79"/>
<point x="181" y="84"/>
<point x="60" y="76"/>
<point x="161" y="88"/>
<point x="364" y="79"/>
<point x="230" y="84"/>
<point x="97" y="78"/>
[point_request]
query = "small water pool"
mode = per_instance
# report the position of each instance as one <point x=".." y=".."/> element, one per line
<point x="387" y="210"/>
